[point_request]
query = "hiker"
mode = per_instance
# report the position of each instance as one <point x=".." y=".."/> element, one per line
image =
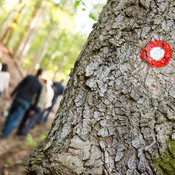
<point x="4" y="81"/>
<point x="34" y="112"/>
<point x="58" y="90"/>
<point x="24" y="94"/>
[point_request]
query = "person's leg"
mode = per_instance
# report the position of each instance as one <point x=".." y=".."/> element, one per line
<point x="31" y="122"/>
<point x="40" y="118"/>
<point x="15" y="116"/>
<point x="10" y="114"/>
<point x="23" y="123"/>
<point x="6" y="131"/>
<point x="49" y="110"/>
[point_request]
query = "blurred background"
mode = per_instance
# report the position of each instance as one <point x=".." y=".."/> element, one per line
<point x="34" y="34"/>
<point x="47" y="33"/>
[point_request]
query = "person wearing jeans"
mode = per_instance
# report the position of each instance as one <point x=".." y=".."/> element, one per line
<point x="31" y="116"/>
<point x="24" y="93"/>
<point x="28" y="121"/>
<point x="17" y="110"/>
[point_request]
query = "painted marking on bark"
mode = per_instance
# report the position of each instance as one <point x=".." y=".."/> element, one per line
<point x="157" y="53"/>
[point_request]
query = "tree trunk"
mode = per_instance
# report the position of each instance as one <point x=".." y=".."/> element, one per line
<point x="42" y="51"/>
<point x="1" y="2"/>
<point x="7" y="21"/>
<point x="16" y="33"/>
<point x="8" y="32"/>
<point x="55" y="53"/>
<point x="117" y="111"/>
<point x="25" y="41"/>
<point x="26" y="46"/>
<point x="52" y="57"/>
<point x="60" y="66"/>
<point x="64" y="58"/>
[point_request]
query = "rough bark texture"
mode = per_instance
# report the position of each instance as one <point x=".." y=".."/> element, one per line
<point x="117" y="111"/>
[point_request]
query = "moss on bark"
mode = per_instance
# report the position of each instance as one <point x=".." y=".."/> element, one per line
<point x="166" y="163"/>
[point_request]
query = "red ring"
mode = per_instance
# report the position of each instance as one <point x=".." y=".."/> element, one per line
<point x="145" y="53"/>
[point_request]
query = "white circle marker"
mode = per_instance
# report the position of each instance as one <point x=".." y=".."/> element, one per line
<point x="157" y="53"/>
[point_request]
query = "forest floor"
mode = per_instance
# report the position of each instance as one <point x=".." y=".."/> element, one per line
<point x="15" y="149"/>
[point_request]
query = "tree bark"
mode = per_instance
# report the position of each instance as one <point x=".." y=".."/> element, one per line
<point x="117" y="111"/>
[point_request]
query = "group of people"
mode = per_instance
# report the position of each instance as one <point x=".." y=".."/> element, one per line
<point x="33" y="100"/>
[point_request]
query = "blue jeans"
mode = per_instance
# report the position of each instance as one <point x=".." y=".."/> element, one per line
<point x="17" y="110"/>
<point x="0" y="93"/>
<point x="41" y="117"/>
<point x="28" y="121"/>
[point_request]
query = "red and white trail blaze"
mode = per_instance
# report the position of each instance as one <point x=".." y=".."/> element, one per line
<point x="157" y="53"/>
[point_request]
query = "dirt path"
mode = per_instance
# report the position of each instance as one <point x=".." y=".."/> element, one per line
<point x="15" y="149"/>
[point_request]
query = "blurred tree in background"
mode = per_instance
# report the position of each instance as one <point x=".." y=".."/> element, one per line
<point x="44" y="33"/>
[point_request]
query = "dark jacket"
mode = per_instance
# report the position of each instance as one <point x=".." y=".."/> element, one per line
<point x="58" y="89"/>
<point x="26" y="89"/>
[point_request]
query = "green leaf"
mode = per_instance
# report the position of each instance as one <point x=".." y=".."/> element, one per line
<point x="77" y="3"/>
<point x="83" y="9"/>
<point x="92" y="17"/>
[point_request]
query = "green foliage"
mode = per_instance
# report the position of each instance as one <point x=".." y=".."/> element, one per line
<point x="95" y="11"/>
<point x="79" y="2"/>
<point x="22" y="21"/>
<point x="29" y="142"/>
<point x="43" y="136"/>
<point x="166" y="163"/>
<point x="58" y="14"/>
<point x="92" y="16"/>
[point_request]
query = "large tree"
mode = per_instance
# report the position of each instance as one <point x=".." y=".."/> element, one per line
<point x="117" y="114"/>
